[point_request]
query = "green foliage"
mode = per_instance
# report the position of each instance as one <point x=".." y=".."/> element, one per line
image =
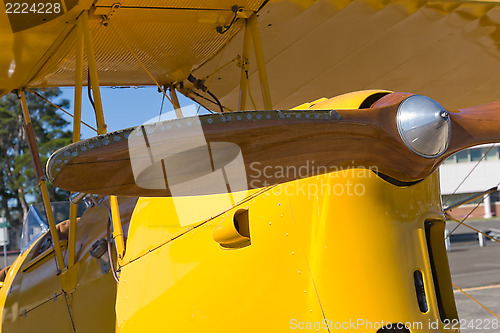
<point x="18" y="186"/>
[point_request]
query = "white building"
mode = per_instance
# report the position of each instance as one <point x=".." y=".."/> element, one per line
<point x="467" y="173"/>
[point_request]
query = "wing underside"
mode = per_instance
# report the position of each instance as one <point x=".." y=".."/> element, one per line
<point x="448" y="50"/>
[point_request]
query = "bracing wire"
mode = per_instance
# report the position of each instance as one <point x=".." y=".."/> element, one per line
<point x="456" y="189"/>
<point x="161" y="107"/>
<point x="480" y="304"/>
<point x="88" y="91"/>
<point x="461" y="222"/>
<point x="474" y="168"/>
<point x="465" y="218"/>
<point x="108" y="240"/>
<point x="470" y="227"/>
<point x="466" y="225"/>
<point x="141" y="63"/>
<point x="60" y="108"/>
<point x="249" y="92"/>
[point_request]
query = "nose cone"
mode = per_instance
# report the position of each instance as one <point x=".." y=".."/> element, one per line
<point x="424" y="126"/>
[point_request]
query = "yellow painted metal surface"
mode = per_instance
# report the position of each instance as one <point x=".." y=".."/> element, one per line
<point x="313" y="256"/>
<point x="343" y="102"/>
<point x="36" y="299"/>
<point x="11" y="275"/>
<point x="364" y="245"/>
<point x="28" y="304"/>
<point x="30" y="42"/>
<point x="176" y="284"/>
<point x="182" y="214"/>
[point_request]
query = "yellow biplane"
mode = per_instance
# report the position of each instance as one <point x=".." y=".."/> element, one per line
<point x="241" y="220"/>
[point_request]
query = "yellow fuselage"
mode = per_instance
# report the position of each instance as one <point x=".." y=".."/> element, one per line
<point x="335" y="249"/>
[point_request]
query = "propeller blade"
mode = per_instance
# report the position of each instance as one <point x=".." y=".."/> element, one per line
<point x="474" y="126"/>
<point x="237" y="151"/>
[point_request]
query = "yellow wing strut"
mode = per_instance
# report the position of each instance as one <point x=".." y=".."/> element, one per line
<point x="37" y="164"/>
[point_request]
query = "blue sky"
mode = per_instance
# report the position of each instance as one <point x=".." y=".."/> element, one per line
<point x="123" y="107"/>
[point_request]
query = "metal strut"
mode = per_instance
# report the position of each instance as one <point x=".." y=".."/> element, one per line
<point x="40" y="178"/>
<point x="253" y="24"/>
<point x="101" y="126"/>
<point x="76" y="136"/>
<point x="252" y="33"/>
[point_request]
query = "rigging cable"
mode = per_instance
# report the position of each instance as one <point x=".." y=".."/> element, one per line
<point x="69" y="311"/>
<point x="140" y="63"/>
<point x="108" y="241"/>
<point x="220" y="68"/>
<point x="249" y="92"/>
<point x="88" y="92"/>
<point x="199" y="103"/>
<point x="63" y="292"/>
<point x="466" y="225"/>
<point x="461" y="222"/>
<point x="204" y="98"/>
<point x="474" y="168"/>
<point x="472" y="298"/>
<point x="60" y="108"/>
<point x="479" y="203"/>
<point x="466" y="217"/>
<point x="472" y="228"/>
<point x="161" y="107"/>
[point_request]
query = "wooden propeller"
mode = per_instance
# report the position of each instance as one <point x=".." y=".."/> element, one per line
<point x="239" y="150"/>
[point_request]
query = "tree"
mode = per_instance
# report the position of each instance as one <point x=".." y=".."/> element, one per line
<point x="18" y="188"/>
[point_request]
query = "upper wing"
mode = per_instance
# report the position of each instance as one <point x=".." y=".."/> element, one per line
<point x="444" y="49"/>
<point x="447" y="50"/>
<point x="171" y="38"/>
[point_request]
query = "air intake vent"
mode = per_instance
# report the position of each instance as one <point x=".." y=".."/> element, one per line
<point x="234" y="233"/>
<point x="420" y="289"/>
